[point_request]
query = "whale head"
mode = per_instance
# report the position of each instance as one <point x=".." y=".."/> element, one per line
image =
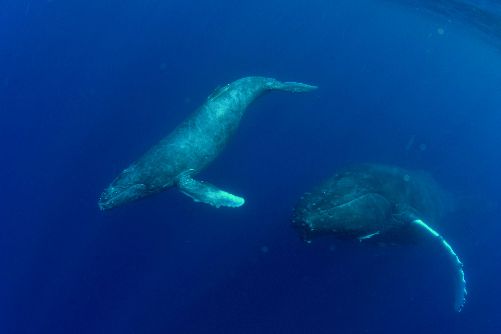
<point x="124" y="189"/>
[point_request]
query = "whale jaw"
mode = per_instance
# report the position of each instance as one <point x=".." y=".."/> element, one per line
<point x="115" y="196"/>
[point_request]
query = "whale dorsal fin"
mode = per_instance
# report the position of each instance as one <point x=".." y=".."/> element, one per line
<point x="207" y="193"/>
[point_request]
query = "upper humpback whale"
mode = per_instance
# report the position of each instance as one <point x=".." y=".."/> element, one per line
<point x="192" y="146"/>
<point x="377" y="202"/>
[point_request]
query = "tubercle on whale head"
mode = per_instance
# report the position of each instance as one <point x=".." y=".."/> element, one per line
<point x="302" y="223"/>
<point x="127" y="187"/>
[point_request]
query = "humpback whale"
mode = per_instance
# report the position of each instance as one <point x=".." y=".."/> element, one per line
<point x="377" y="202"/>
<point x="191" y="146"/>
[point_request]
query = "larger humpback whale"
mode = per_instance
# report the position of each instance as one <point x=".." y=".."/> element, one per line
<point x="192" y="146"/>
<point x="377" y="202"/>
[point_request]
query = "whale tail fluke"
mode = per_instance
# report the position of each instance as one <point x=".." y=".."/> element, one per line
<point x="291" y="86"/>
<point x="460" y="290"/>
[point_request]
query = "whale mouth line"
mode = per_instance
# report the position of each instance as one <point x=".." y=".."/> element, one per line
<point x="351" y="201"/>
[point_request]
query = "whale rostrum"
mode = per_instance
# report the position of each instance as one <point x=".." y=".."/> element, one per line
<point x="191" y="146"/>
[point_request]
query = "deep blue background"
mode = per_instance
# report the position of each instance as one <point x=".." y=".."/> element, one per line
<point x="87" y="86"/>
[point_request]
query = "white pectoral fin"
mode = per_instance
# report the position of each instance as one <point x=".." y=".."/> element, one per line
<point x="460" y="295"/>
<point x="207" y="193"/>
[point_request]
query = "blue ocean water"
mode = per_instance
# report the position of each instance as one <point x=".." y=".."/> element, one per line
<point x="87" y="86"/>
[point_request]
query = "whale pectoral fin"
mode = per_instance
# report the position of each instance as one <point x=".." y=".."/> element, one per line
<point x="207" y="193"/>
<point x="460" y="295"/>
